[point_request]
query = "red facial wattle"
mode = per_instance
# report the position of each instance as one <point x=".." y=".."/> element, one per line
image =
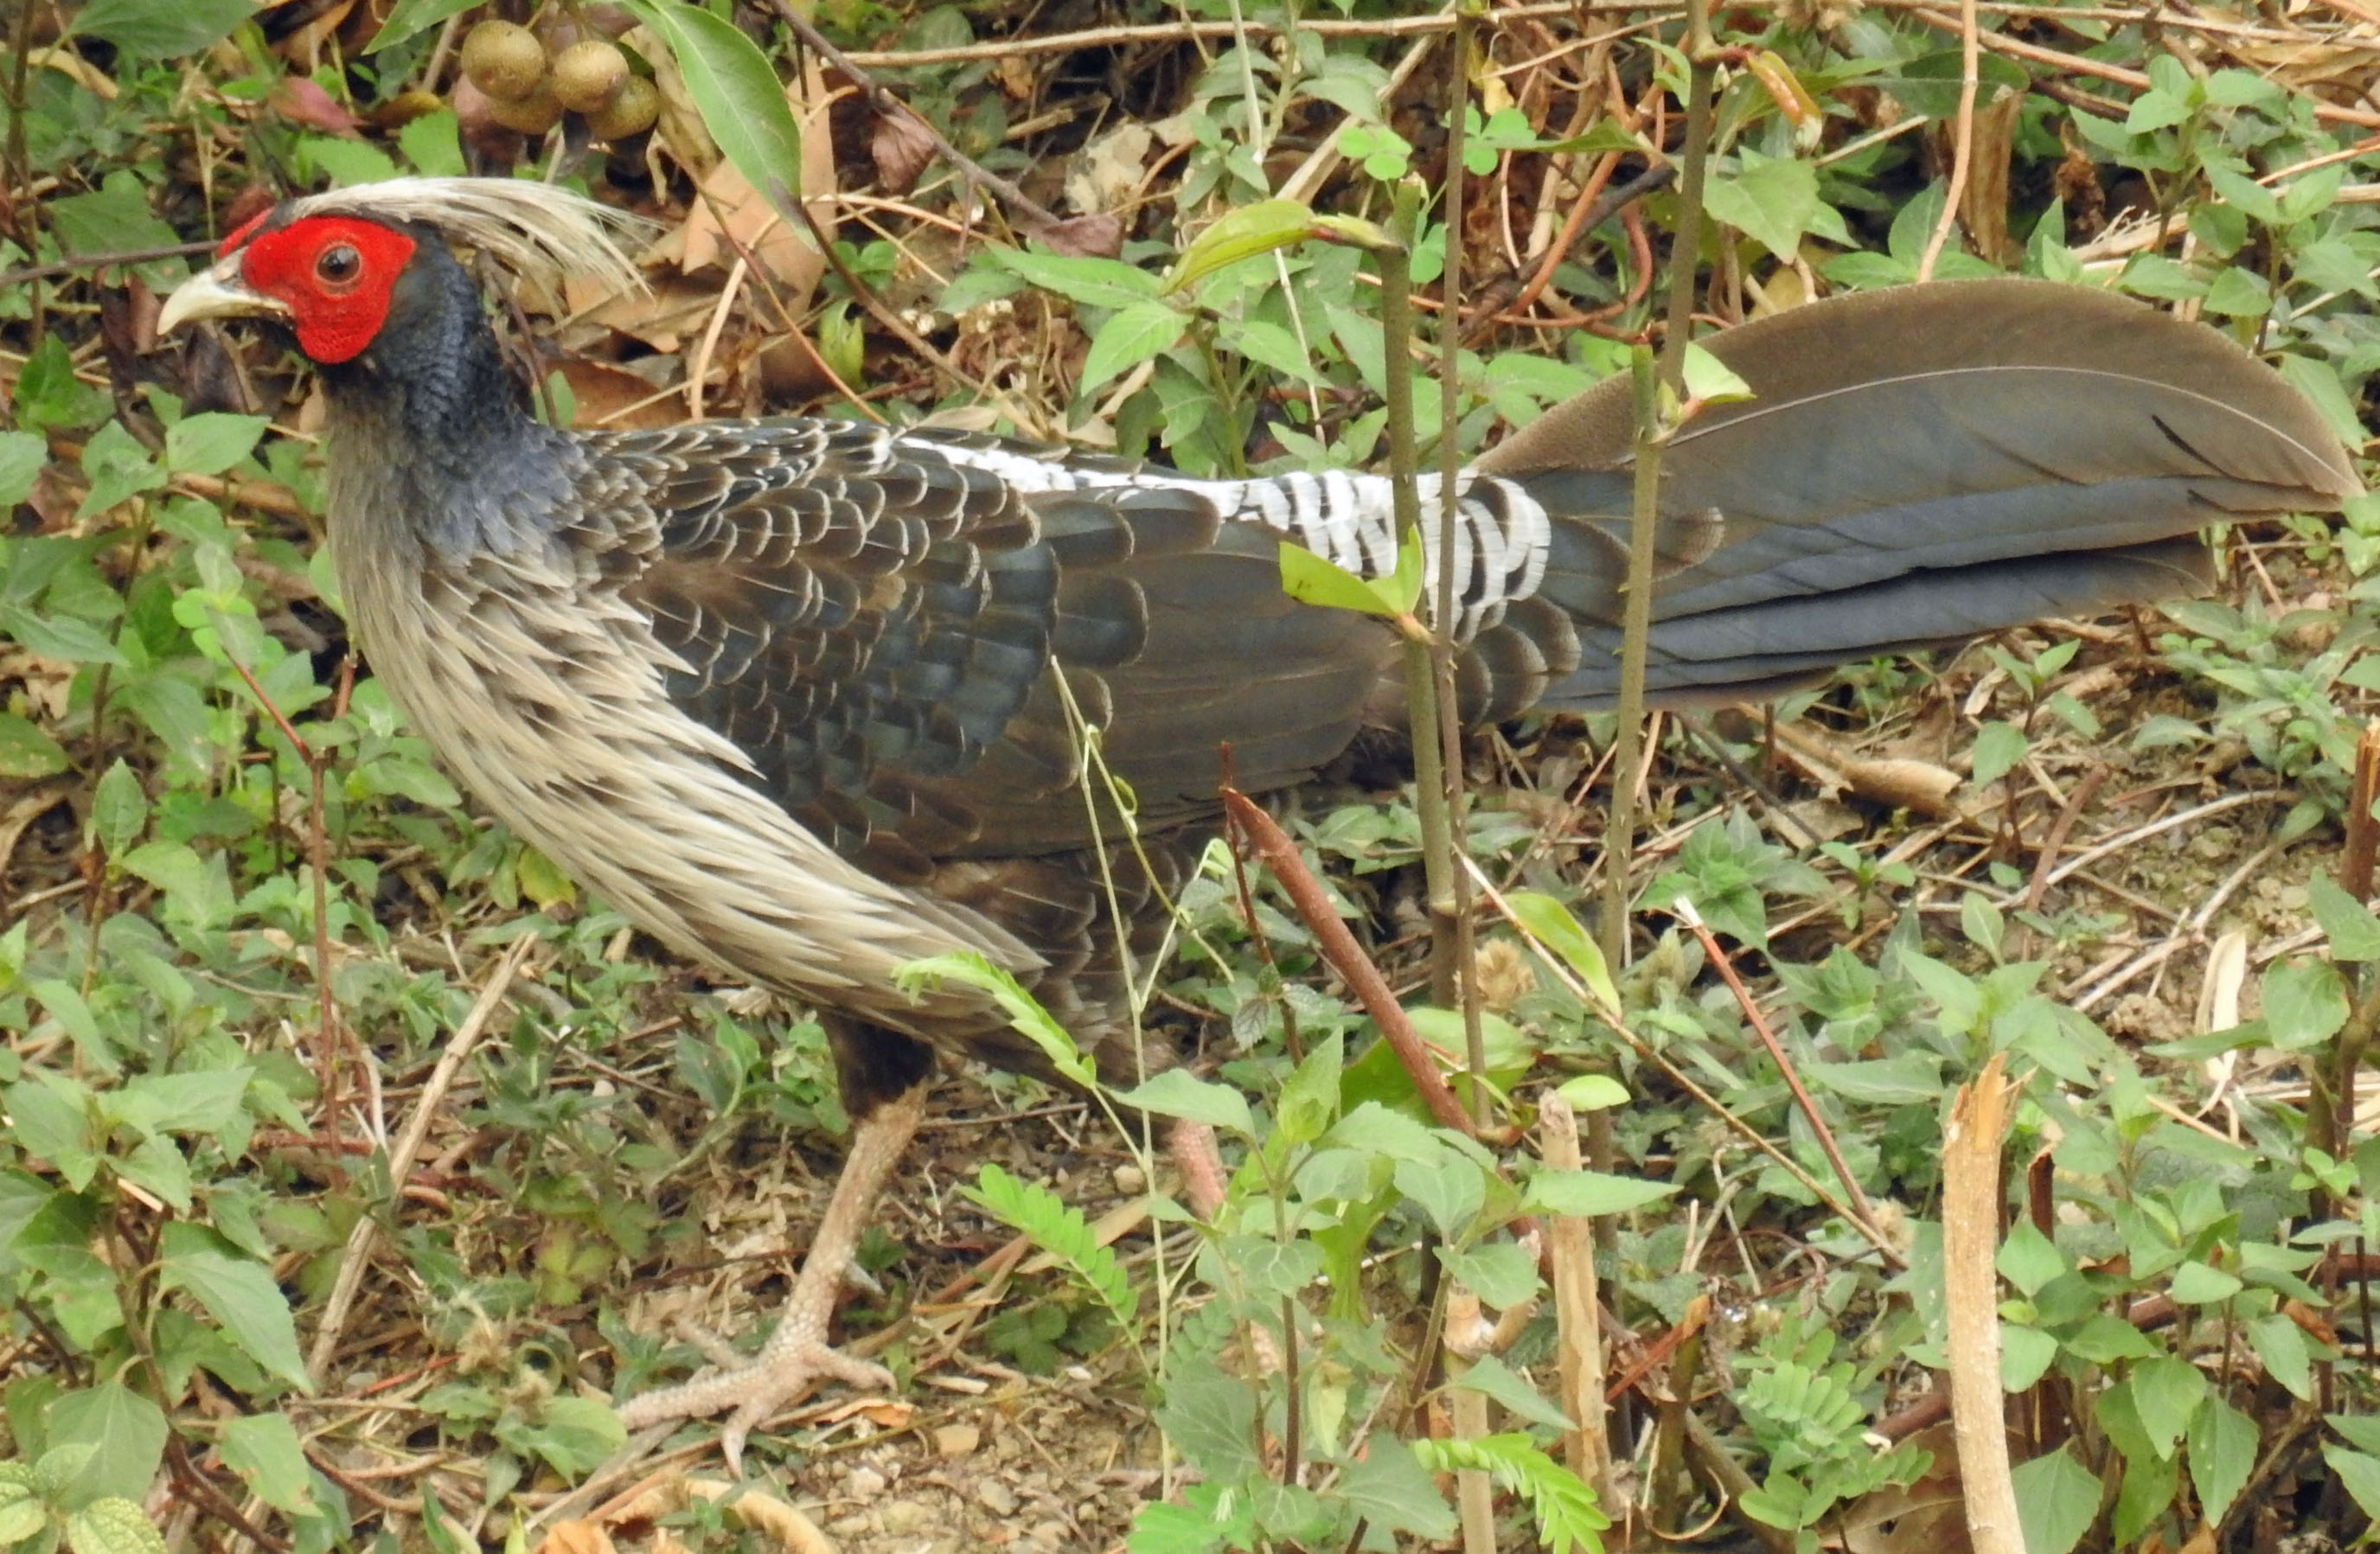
<point x="334" y="274"/>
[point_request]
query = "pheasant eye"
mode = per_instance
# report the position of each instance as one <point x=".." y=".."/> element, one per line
<point x="338" y="266"/>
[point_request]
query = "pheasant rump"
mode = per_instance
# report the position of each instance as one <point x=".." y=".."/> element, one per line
<point x="804" y="697"/>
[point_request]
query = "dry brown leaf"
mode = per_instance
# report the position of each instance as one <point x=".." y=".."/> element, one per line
<point x="1107" y="174"/>
<point x="1099" y="236"/>
<point x="662" y="318"/>
<point x="613" y="399"/>
<point x="576" y="1536"/>
<point x="901" y="145"/>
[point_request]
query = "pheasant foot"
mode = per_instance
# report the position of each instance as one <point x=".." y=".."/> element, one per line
<point x="797" y="1354"/>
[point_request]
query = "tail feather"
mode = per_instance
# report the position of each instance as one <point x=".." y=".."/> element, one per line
<point x="1917" y="467"/>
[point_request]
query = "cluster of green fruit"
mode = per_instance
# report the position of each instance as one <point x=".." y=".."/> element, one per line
<point x="529" y="88"/>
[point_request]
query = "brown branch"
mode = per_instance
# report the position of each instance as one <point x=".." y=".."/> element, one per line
<point x="1268" y="842"/>
<point x="73" y="262"/>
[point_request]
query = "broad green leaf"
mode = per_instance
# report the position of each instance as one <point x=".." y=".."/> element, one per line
<point x="1550" y="922"/>
<point x="1592" y="1092"/>
<point x="240" y="1295"/>
<point x="1712" y="380"/>
<point x="22" y="456"/>
<point x="1999" y="747"/>
<point x="1769" y="199"/>
<point x="1497" y="1379"/>
<point x="408" y="16"/>
<point x="1130" y="337"/>
<point x="2056" y="1499"/>
<point x="1241" y="234"/>
<point x="113" y="1526"/>
<point x="1177" y="1093"/>
<point x="127" y="1433"/>
<point x="161" y="28"/>
<point x="2222" y="1451"/>
<point x="1590" y="1193"/>
<point x="433" y="143"/>
<point x="2305" y="1003"/>
<point x="738" y="93"/>
<point x="1314" y="579"/>
<point x="2358" y="1474"/>
<point x="2354" y="933"/>
<point x="211" y="443"/>
<point x="26" y="751"/>
<point x="1391" y="1488"/>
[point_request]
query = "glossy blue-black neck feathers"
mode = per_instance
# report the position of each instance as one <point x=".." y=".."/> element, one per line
<point x="433" y="434"/>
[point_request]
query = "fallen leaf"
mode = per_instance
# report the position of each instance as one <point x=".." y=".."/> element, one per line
<point x="613" y="399"/>
<point x="576" y="1536"/>
<point x="901" y="145"/>
<point x="301" y="101"/>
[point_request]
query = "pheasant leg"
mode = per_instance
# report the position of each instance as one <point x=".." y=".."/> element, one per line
<point x="797" y="1354"/>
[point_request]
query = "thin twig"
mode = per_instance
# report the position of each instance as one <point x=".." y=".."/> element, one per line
<point x="355" y="1256"/>
<point x="1802" y="1097"/>
<point x="882" y="100"/>
<point x="74" y="262"/>
<point x="1962" y="147"/>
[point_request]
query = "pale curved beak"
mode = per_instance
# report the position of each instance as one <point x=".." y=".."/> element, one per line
<point x="214" y="292"/>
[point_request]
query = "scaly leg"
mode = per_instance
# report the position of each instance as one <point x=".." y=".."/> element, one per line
<point x="797" y="1354"/>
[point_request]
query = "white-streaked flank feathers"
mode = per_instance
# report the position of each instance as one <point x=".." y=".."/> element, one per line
<point x="539" y="230"/>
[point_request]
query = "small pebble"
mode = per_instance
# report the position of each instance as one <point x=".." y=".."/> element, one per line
<point x="957" y="1441"/>
<point x="1130" y="1181"/>
<point x="997" y="1498"/>
<point x="865" y="1483"/>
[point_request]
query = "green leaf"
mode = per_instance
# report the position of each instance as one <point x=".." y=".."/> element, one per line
<point x="23" y="456"/>
<point x="2280" y="1343"/>
<point x="1178" y="1093"/>
<point x="2222" y="1450"/>
<point x="117" y="467"/>
<point x="1314" y="579"/>
<point x="2318" y="381"/>
<point x="127" y="1434"/>
<point x="112" y="1525"/>
<point x="1025" y="1013"/>
<point x="1058" y="1228"/>
<point x="1589" y="1194"/>
<point x="1449" y="1191"/>
<point x="2056" y="1500"/>
<point x="240" y="1295"/>
<point x="1551" y="925"/>
<point x="2358" y="1474"/>
<point x="264" y="1449"/>
<point x="1501" y="1273"/>
<point x="408" y="16"/>
<point x="1592" y="1092"/>
<point x="1387" y="1486"/>
<point x="1086" y="279"/>
<point x="433" y="143"/>
<point x="1240" y="233"/>
<point x="2195" y="1283"/>
<point x="1208" y="1415"/>
<point x="1712" y="380"/>
<point x="1131" y="336"/>
<point x="1490" y="1376"/>
<point x="21" y="1511"/>
<point x="211" y="443"/>
<point x="26" y="751"/>
<point x="741" y="101"/>
<point x="119" y="810"/>
<point x="1769" y="199"/>
<point x="2305" y="1003"/>
<point x="2354" y="933"/>
<point x="161" y="28"/>
<point x="1999" y="747"/>
<point x="50" y="1116"/>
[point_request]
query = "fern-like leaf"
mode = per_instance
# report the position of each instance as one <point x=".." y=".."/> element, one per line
<point x="1060" y="1230"/>
<point x="1567" y="1515"/>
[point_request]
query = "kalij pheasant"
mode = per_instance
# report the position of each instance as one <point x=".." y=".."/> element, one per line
<point x="795" y="694"/>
